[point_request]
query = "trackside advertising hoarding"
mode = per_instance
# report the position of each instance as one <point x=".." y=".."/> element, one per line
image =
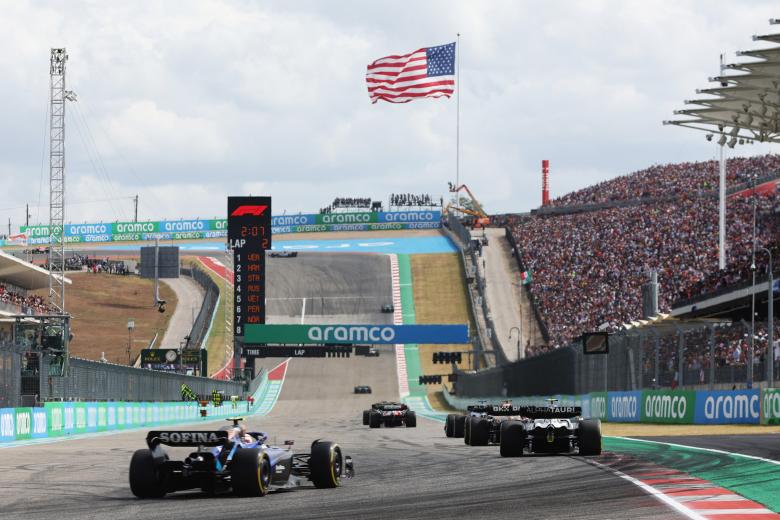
<point x="360" y="334"/>
<point x="217" y="228"/>
<point x="728" y="407"/>
<point x="624" y="406"/>
<point x="662" y="406"/>
<point x="770" y="406"/>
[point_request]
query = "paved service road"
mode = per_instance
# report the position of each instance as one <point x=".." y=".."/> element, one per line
<point x="190" y="297"/>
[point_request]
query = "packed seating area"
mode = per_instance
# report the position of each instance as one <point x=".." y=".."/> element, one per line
<point x="588" y="268"/>
<point x="27" y="304"/>
<point x="688" y="178"/>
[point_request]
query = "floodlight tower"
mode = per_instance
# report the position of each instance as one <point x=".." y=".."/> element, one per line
<point x="58" y="96"/>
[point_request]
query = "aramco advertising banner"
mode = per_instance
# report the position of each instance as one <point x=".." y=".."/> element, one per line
<point x="352" y="334"/>
<point x="217" y="228"/>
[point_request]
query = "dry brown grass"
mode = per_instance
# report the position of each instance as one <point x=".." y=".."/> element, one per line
<point x="101" y="304"/>
<point x="439" y="297"/>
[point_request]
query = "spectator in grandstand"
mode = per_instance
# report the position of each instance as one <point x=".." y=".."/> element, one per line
<point x="588" y="268"/>
<point x="670" y="179"/>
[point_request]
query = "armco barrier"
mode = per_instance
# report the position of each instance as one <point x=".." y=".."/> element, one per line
<point x="728" y="407"/>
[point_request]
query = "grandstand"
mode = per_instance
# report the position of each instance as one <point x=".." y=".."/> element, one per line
<point x="17" y="277"/>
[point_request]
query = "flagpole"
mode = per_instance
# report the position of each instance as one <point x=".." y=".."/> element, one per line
<point x="457" y="120"/>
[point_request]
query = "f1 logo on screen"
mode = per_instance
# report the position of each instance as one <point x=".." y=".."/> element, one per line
<point x="255" y="211"/>
<point x="249" y="236"/>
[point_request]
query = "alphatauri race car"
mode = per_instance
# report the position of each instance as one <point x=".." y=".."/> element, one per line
<point x="547" y="429"/>
<point x="232" y="459"/>
<point x="389" y="414"/>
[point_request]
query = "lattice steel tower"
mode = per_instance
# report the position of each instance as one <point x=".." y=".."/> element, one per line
<point x="58" y="96"/>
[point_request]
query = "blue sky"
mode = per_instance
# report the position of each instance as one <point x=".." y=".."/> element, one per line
<point x="185" y="102"/>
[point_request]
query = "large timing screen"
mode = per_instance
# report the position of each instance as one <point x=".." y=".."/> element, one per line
<point x="249" y="235"/>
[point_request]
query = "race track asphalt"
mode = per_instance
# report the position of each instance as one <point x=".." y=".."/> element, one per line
<point x="400" y="472"/>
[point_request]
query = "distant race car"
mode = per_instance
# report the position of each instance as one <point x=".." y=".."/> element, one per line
<point x="388" y="308"/>
<point x="362" y="389"/>
<point x="372" y="352"/>
<point x="546" y="429"/>
<point x="232" y="459"/>
<point x="284" y="254"/>
<point x="389" y="414"/>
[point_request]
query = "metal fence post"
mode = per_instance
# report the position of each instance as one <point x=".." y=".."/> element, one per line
<point x="680" y="356"/>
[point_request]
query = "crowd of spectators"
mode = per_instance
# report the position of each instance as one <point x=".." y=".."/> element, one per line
<point x="731" y="350"/>
<point x="27" y="304"/>
<point x="588" y="268"/>
<point x="688" y="178"/>
<point x="413" y="200"/>
<point x="351" y="202"/>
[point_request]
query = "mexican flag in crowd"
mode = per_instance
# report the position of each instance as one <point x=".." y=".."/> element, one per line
<point x="526" y="277"/>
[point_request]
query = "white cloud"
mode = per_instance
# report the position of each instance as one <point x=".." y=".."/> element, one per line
<point x="185" y="102"/>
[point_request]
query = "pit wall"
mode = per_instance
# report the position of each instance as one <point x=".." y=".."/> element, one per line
<point x="61" y="419"/>
<point x="217" y="228"/>
<point x="661" y="406"/>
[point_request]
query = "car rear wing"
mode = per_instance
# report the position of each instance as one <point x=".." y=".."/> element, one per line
<point x="186" y="438"/>
<point x="550" y="412"/>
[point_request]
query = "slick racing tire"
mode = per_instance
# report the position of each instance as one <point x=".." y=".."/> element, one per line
<point x="250" y="473"/>
<point x="480" y="430"/>
<point x="449" y="425"/>
<point x="467" y="430"/>
<point x="512" y="439"/>
<point x="460" y="426"/>
<point x="326" y="464"/>
<point x="374" y="420"/>
<point x="366" y="413"/>
<point x="146" y="480"/>
<point x="411" y="419"/>
<point x="590" y="437"/>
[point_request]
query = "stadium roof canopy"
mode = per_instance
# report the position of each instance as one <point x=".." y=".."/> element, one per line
<point x="23" y="274"/>
<point x="742" y="107"/>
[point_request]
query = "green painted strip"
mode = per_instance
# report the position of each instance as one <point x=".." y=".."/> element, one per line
<point x="413" y="368"/>
<point x="753" y="479"/>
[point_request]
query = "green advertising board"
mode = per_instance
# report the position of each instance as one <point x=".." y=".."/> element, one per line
<point x="668" y="406"/>
<point x="770" y="406"/>
<point x="24" y="423"/>
<point x="55" y="418"/>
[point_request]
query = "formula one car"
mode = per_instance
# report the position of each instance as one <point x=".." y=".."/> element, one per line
<point x="284" y="254"/>
<point x="547" y="429"/>
<point x="389" y="414"/>
<point x="232" y="459"/>
<point x="388" y="308"/>
<point x="455" y="425"/>
<point x="362" y="389"/>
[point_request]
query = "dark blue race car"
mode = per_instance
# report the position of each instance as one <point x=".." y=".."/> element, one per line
<point x="232" y="459"/>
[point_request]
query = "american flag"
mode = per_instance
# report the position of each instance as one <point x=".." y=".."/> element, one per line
<point x="426" y="72"/>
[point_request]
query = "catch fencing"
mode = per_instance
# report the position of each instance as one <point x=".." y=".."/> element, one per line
<point x="689" y="354"/>
<point x="94" y="381"/>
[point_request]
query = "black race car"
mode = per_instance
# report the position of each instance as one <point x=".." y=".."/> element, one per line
<point x="232" y="459"/>
<point x="388" y="308"/>
<point x="362" y="389"/>
<point x="284" y="254"/>
<point x="455" y="425"/>
<point x="389" y="414"/>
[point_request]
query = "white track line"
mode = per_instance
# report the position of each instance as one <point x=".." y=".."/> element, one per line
<point x="711" y="450"/>
<point x="303" y="311"/>
<point x="650" y="490"/>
